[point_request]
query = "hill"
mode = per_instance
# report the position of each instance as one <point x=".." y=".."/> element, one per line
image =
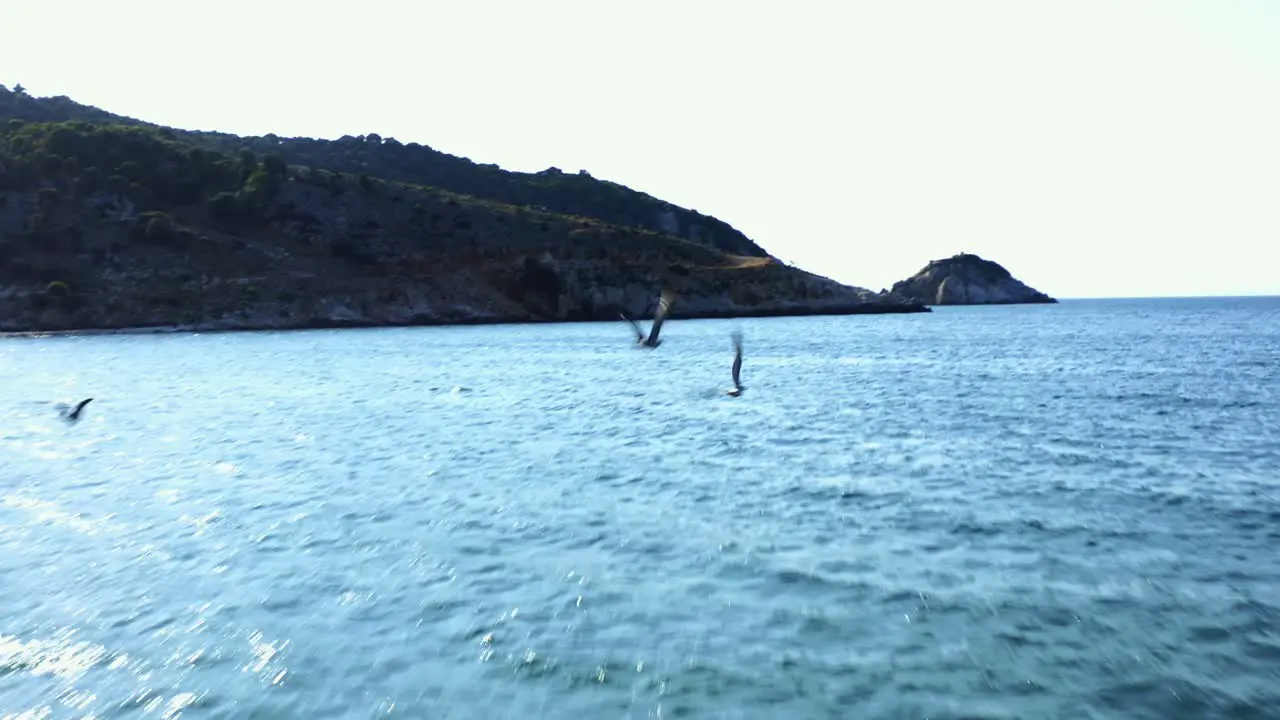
<point x="966" y="279"/>
<point x="550" y="190"/>
<point x="109" y="222"/>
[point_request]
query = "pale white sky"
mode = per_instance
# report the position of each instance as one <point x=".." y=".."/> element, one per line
<point x="1093" y="147"/>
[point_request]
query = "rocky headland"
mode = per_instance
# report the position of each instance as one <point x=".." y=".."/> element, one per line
<point x="966" y="279"/>
<point x="112" y="223"/>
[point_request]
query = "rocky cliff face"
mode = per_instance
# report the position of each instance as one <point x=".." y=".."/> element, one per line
<point x="966" y="279"/>
<point x="325" y="250"/>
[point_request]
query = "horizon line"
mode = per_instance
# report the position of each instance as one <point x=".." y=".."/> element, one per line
<point x="1208" y="296"/>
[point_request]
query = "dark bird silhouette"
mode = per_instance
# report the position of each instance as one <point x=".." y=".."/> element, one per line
<point x="738" y="387"/>
<point x="665" y="300"/>
<point x="74" y="414"/>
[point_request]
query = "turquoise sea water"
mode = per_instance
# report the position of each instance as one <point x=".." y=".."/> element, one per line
<point x="1066" y="511"/>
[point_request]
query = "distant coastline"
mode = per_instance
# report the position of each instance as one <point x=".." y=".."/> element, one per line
<point x="325" y="324"/>
<point x="211" y="328"/>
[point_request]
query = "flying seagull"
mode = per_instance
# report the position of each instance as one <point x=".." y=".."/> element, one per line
<point x="74" y="415"/>
<point x="737" y="388"/>
<point x="664" y="306"/>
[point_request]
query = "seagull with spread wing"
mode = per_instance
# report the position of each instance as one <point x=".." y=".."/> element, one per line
<point x="71" y="415"/>
<point x="664" y="307"/>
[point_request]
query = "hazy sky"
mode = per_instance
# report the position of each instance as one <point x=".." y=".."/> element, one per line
<point x="1095" y="148"/>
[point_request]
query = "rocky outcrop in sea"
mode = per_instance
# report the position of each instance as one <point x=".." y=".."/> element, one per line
<point x="966" y="279"/>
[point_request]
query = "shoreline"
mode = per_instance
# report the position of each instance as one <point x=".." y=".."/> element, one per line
<point x="324" y="324"/>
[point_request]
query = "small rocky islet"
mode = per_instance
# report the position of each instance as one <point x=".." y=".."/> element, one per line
<point x="966" y="279"/>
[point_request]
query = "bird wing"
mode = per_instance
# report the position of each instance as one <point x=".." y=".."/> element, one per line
<point x="664" y="306"/>
<point x="634" y="326"/>
<point x="737" y="360"/>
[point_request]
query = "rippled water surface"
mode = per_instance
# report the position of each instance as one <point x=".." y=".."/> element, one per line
<point x="1036" y="512"/>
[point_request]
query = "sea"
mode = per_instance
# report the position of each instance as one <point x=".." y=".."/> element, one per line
<point x="1049" y="511"/>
